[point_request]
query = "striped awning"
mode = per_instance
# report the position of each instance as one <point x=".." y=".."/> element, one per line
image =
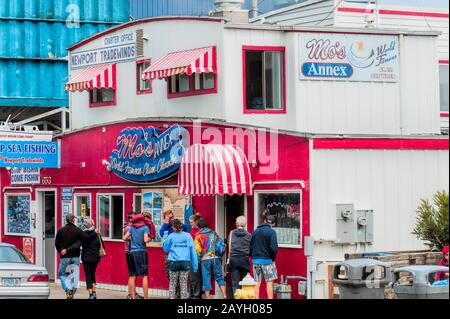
<point x="95" y="77"/>
<point x="202" y="60"/>
<point x="214" y="170"/>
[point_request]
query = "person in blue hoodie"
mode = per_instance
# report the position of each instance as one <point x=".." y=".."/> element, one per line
<point x="263" y="250"/>
<point x="181" y="256"/>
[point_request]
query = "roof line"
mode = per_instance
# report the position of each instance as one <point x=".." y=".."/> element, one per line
<point x="141" y="21"/>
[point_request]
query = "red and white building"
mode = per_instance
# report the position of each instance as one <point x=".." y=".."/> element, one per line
<point x="279" y="118"/>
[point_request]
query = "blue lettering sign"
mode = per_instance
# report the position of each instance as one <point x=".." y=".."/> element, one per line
<point x="148" y="155"/>
<point x="30" y="154"/>
<point x="327" y="70"/>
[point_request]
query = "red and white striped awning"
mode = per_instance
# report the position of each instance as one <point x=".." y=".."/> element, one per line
<point x="95" y="77"/>
<point x="202" y="60"/>
<point x="214" y="170"/>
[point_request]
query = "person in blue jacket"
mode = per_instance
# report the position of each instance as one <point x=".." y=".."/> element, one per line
<point x="182" y="256"/>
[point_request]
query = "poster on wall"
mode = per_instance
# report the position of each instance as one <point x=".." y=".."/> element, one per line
<point x="350" y="57"/>
<point x="157" y="201"/>
<point x="28" y="249"/>
<point x="18" y="215"/>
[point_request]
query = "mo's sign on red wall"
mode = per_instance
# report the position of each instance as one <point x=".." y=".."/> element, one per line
<point x="30" y="154"/>
<point x="349" y="57"/>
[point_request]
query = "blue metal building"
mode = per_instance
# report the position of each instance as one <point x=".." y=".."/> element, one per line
<point x="34" y="36"/>
<point x="154" y="8"/>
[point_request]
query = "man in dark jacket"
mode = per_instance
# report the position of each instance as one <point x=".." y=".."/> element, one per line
<point x="263" y="250"/>
<point x="66" y="245"/>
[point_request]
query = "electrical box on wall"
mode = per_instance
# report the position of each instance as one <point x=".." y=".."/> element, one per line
<point x="364" y="223"/>
<point x="353" y="226"/>
<point x="345" y="224"/>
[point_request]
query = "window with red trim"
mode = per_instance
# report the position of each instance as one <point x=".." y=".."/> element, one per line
<point x="188" y="85"/>
<point x="142" y="87"/>
<point x="264" y="79"/>
<point x="102" y="97"/>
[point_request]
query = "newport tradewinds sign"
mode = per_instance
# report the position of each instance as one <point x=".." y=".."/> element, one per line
<point x="147" y="155"/>
<point x="30" y="154"/>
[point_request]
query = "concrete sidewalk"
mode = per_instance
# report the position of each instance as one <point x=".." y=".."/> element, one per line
<point x="56" y="292"/>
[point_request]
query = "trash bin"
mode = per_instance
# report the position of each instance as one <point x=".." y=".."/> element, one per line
<point x="416" y="282"/>
<point x="361" y="278"/>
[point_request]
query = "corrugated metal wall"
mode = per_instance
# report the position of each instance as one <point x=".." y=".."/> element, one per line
<point x="154" y="8"/>
<point x="34" y="35"/>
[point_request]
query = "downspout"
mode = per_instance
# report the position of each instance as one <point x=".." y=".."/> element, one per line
<point x="255" y="8"/>
<point x="400" y="81"/>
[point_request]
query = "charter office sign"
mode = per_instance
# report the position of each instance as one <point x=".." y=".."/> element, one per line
<point x="350" y="57"/>
<point x="116" y="48"/>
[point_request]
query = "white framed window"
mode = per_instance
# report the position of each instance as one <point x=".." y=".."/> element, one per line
<point x="286" y="207"/>
<point x="110" y="212"/>
<point x="137" y="203"/>
<point x="17" y="214"/>
<point x="83" y="205"/>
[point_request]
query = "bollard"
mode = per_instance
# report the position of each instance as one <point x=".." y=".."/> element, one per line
<point x="247" y="290"/>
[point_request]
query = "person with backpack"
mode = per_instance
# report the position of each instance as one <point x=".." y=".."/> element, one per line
<point x="182" y="257"/>
<point x="139" y="236"/>
<point x="210" y="249"/>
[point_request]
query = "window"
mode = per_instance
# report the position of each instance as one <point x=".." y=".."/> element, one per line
<point x="137" y="205"/>
<point x="83" y="205"/>
<point x="143" y="87"/>
<point x="264" y="80"/>
<point x="110" y="215"/>
<point x="443" y="83"/>
<point x="12" y="255"/>
<point x="286" y="208"/>
<point x="17" y="215"/>
<point x="102" y="97"/>
<point x="198" y="83"/>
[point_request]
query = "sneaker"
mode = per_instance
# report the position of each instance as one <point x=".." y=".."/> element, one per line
<point x="138" y="296"/>
<point x="129" y="296"/>
<point x="69" y="294"/>
<point x="94" y="295"/>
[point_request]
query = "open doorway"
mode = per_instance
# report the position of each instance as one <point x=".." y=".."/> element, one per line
<point x="45" y="241"/>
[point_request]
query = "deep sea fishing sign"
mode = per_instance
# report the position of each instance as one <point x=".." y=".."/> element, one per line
<point x="364" y="58"/>
<point x="147" y="155"/>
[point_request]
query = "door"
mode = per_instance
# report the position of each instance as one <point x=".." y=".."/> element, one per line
<point x="234" y="207"/>
<point x="49" y="233"/>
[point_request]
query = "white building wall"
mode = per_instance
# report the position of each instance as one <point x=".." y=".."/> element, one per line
<point x="164" y="37"/>
<point x="391" y="182"/>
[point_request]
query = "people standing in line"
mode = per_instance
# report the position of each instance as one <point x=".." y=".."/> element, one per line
<point x="263" y="250"/>
<point x="90" y="256"/>
<point x="205" y="246"/>
<point x="239" y="252"/>
<point x="138" y="237"/>
<point x="69" y="265"/>
<point x="443" y="262"/>
<point x="195" y="277"/>
<point x="182" y="258"/>
<point x="129" y="260"/>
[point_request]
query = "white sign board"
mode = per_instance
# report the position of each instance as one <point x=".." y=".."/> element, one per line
<point x="115" y="48"/>
<point x="25" y="176"/>
<point x="349" y="57"/>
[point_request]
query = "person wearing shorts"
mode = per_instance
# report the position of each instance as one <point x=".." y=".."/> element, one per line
<point x="138" y="261"/>
<point x="128" y="259"/>
<point x="263" y="250"/>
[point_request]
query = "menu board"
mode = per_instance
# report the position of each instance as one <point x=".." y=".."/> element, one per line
<point x="157" y="201"/>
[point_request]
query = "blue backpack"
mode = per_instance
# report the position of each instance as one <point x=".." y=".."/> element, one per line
<point x="219" y="245"/>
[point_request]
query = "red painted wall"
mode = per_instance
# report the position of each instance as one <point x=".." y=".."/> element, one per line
<point x="81" y="157"/>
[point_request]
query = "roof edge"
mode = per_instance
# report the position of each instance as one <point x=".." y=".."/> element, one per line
<point x="141" y="21"/>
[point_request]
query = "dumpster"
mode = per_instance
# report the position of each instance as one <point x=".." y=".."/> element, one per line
<point x="420" y="282"/>
<point x="361" y="278"/>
